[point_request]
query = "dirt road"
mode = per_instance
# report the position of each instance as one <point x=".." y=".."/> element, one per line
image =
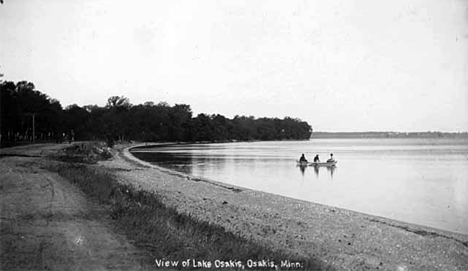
<point x="48" y="224"/>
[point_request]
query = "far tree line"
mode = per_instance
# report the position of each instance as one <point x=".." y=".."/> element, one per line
<point x="28" y="114"/>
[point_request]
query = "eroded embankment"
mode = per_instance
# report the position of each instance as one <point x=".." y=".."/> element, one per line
<point x="345" y="239"/>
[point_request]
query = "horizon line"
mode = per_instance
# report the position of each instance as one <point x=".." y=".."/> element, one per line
<point x="398" y="132"/>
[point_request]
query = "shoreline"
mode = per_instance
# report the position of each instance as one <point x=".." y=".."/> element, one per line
<point x="137" y="149"/>
<point x="347" y="240"/>
<point x="395" y="222"/>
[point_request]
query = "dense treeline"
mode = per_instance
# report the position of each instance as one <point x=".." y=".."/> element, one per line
<point x="23" y="107"/>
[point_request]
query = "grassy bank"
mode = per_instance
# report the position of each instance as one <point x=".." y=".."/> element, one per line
<point x="163" y="231"/>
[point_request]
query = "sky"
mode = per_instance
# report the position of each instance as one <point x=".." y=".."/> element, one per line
<point x="361" y="65"/>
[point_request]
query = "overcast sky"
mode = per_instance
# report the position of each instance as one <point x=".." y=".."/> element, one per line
<point x="339" y="65"/>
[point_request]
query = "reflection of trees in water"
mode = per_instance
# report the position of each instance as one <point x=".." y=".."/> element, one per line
<point x="191" y="164"/>
<point x="202" y="165"/>
<point x="179" y="162"/>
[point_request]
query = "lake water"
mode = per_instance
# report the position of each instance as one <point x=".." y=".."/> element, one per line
<point x="421" y="181"/>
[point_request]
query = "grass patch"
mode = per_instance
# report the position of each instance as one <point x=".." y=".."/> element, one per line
<point x="168" y="234"/>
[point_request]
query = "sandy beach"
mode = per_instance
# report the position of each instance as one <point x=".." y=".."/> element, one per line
<point x="58" y="227"/>
<point x="347" y="240"/>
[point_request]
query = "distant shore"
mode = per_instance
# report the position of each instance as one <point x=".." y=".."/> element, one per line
<point x="461" y="135"/>
<point x="345" y="239"/>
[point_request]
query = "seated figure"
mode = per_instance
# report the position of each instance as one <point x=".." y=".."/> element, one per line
<point x="303" y="159"/>
<point x="316" y="159"/>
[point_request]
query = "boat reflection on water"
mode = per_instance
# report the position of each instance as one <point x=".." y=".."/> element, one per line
<point x="330" y="169"/>
<point x="302" y="168"/>
<point x="316" y="170"/>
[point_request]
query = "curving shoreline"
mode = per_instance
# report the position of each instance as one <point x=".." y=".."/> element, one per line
<point x="347" y="240"/>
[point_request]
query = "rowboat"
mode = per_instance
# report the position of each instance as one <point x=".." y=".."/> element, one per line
<point x="302" y="163"/>
<point x="319" y="164"/>
<point x="323" y="164"/>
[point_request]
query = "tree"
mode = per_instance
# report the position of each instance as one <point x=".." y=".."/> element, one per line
<point x="180" y="116"/>
<point x="26" y="111"/>
<point x="76" y="119"/>
<point x="28" y="114"/>
<point x="118" y="101"/>
<point x="114" y="118"/>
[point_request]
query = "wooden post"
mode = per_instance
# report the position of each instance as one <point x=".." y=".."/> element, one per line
<point x="34" y="128"/>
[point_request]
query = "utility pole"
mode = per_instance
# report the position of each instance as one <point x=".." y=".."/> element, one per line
<point x="34" y="127"/>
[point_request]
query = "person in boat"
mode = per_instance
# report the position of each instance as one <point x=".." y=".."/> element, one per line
<point x="331" y="158"/>
<point x="316" y="159"/>
<point x="303" y="159"/>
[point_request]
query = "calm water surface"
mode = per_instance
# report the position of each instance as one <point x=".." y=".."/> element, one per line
<point x="421" y="181"/>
